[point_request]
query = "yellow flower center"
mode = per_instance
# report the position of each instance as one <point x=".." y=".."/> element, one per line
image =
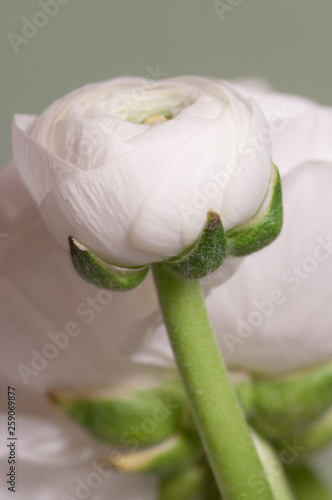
<point x="152" y="119"/>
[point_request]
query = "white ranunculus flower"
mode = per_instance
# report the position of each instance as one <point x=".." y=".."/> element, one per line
<point x="40" y="294"/>
<point x="130" y="167"/>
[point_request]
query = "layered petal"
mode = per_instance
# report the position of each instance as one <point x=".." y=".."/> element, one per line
<point x="160" y="220"/>
<point x="87" y="144"/>
<point x="300" y="127"/>
<point x="248" y="182"/>
<point x="98" y="206"/>
<point x="40" y="169"/>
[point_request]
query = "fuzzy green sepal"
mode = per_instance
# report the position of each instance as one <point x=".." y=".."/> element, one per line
<point x="206" y="255"/>
<point x="288" y="406"/>
<point x="185" y="485"/>
<point x="132" y="418"/>
<point x="261" y="229"/>
<point x="318" y="435"/>
<point x="94" y="270"/>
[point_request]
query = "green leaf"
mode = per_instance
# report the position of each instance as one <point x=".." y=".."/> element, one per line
<point x="103" y="275"/>
<point x="184" y="486"/>
<point x="318" y="434"/>
<point x="207" y="254"/>
<point x="131" y="418"/>
<point x="286" y="407"/>
<point x="263" y="228"/>
<point x="171" y="456"/>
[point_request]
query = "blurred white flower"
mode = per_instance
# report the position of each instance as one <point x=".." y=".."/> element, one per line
<point x="130" y="168"/>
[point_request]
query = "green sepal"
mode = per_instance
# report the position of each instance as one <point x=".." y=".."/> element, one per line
<point x="319" y="434"/>
<point x="101" y="274"/>
<point x="207" y="254"/>
<point x="169" y="457"/>
<point x="286" y="407"/>
<point x="131" y="418"/>
<point x="261" y="229"/>
<point x="184" y="486"/>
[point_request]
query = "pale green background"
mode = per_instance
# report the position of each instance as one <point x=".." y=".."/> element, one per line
<point x="287" y="42"/>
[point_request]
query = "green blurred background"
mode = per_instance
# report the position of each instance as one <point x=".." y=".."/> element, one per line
<point x="78" y="41"/>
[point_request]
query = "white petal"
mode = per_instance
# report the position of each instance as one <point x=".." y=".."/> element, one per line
<point x="120" y="129"/>
<point x="41" y="296"/>
<point x="295" y="330"/>
<point x="84" y="98"/>
<point x="172" y="216"/>
<point x="98" y="207"/>
<point x="55" y="460"/>
<point x="306" y="138"/>
<point x="252" y="83"/>
<point x="148" y="344"/>
<point x="40" y="169"/>
<point x="17" y="207"/>
<point x="248" y="184"/>
<point x="222" y="274"/>
<point x="86" y="144"/>
<point x="301" y="127"/>
<point x="55" y="441"/>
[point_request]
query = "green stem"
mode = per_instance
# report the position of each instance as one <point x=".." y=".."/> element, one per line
<point x="217" y="413"/>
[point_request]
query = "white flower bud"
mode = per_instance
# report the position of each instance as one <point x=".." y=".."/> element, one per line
<point x="130" y="168"/>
